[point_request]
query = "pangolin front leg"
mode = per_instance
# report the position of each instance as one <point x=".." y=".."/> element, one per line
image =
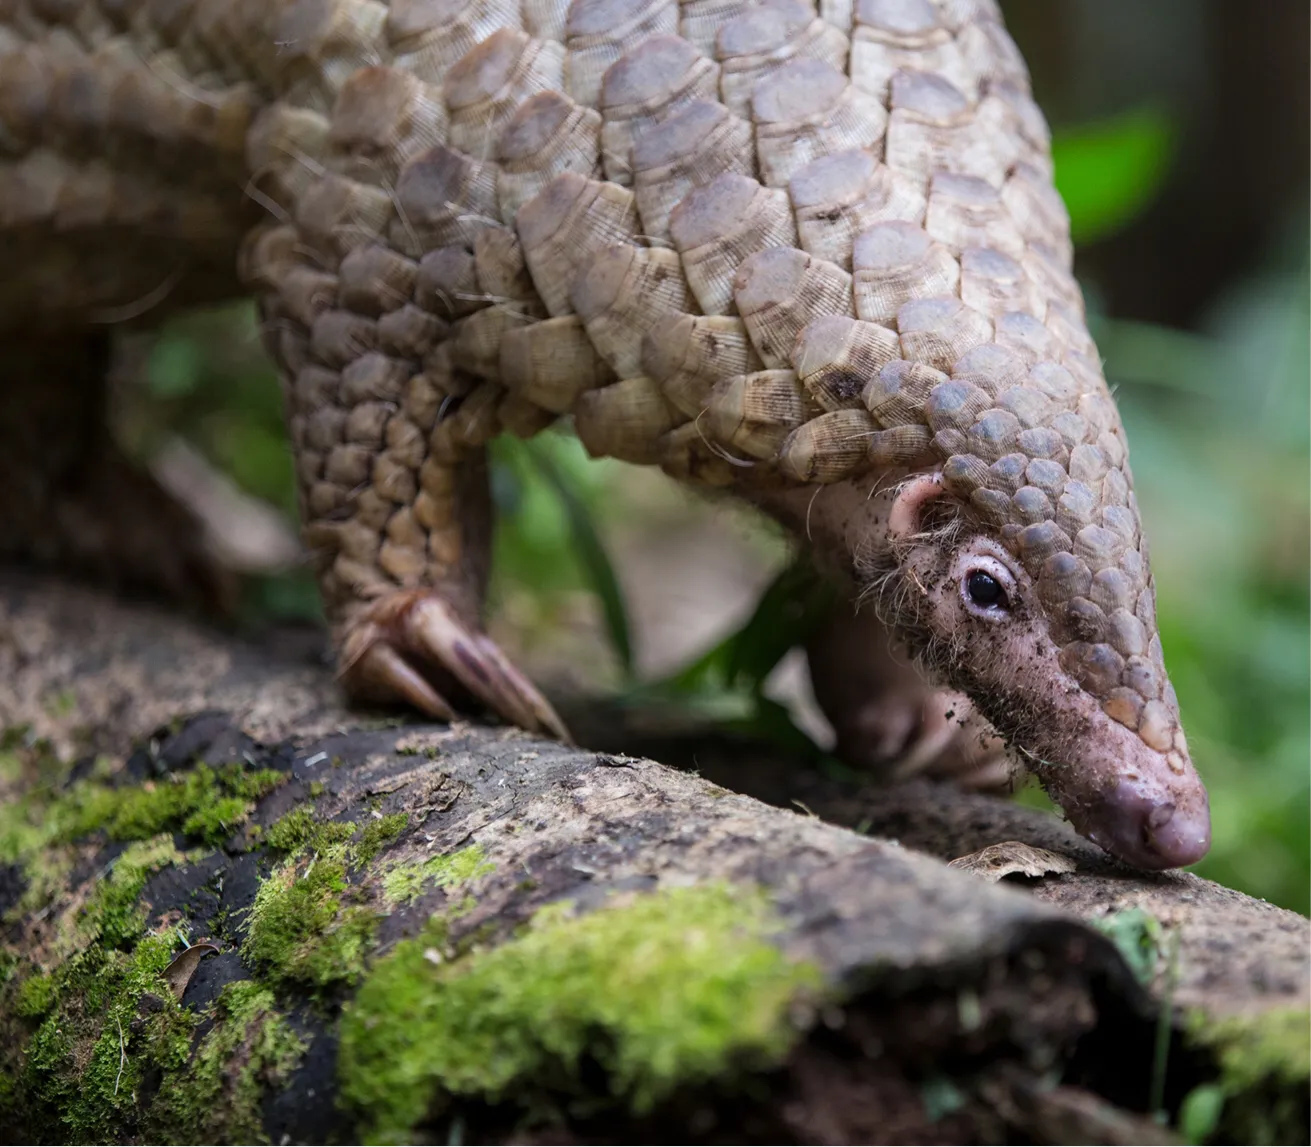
<point x="423" y="642"/>
<point x="888" y="719"/>
<point x="391" y="461"/>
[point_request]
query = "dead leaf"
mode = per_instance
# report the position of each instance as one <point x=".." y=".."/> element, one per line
<point x="1013" y="858"/>
<point x="178" y="974"/>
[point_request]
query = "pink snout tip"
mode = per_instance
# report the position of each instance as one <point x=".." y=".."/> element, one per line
<point x="1151" y="829"/>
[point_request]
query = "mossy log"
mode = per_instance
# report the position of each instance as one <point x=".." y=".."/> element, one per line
<point x="236" y="911"/>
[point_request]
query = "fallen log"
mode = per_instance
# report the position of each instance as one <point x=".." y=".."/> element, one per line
<point x="236" y="911"/>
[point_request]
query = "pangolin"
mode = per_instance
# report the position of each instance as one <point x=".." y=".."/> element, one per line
<point x="807" y="251"/>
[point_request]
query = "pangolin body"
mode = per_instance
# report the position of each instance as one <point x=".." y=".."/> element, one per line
<point x="808" y="251"/>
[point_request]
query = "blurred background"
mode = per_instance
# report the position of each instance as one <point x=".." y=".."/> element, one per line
<point x="1181" y="131"/>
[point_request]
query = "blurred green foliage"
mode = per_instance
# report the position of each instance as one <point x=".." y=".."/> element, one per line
<point x="1219" y="434"/>
<point x="1108" y="171"/>
<point x="1218" y="421"/>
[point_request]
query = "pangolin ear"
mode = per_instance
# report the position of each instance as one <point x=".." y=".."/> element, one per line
<point x="912" y="500"/>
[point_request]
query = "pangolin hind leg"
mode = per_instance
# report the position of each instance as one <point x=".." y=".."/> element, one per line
<point x="71" y="499"/>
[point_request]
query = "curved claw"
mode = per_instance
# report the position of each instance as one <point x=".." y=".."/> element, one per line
<point x="388" y="672"/>
<point x="953" y="742"/>
<point x="389" y="648"/>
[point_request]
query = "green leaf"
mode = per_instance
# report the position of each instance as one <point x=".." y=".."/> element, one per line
<point x="1109" y="171"/>
<point x="174" y="367"/>
<point x="787" y="613"/>
<point x="1199" y="1114"/>
<point x="591" y="554"/>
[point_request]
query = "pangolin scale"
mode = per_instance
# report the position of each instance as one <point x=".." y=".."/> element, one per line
<point x="810" y="252"/>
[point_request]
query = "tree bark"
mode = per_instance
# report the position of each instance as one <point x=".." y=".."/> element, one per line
<point x="236" y="910"/>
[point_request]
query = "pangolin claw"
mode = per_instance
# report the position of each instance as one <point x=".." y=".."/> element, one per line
<point x="384" y="670"/>
<point x="399" y="646"/>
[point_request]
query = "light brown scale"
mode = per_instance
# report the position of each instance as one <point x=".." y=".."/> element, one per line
<point x="687" y="455"/>
<point x="324" y="44"/>
<point x="484" y="89"/>
<point x="599" y="32"/>
<point x="754" y="413"/>
<point x="806" y="110"/>
<point x="336" y="214"/>
<point x="551" y="363"/>
<point x="902" y="394"/>
<point x="828" y="448"/>
<point x="753" y="46"/>
<point x="835" y="355"/>
<point x="993" y="368"/>
<point x="718" y="226"/>
<point x="564" y="225"/>
<point x="689" y="354"/>
<point x="779" y="290"/>
<point x="939" y="330"/>
<point x="837" y="197"/>
<point x="381" y="120"/>
<point x="644" y="87"/>
<point x="429" y="37"/>
<point x="699" y="22"/>
<point x="965" y="211"/>
<point x="895" y="35"/>
<point x="520" y="416"/>
<point x="896" y="262"/>
<point x="410" y="332"/>
<point x="442" y="198"/>
<point x="285" y="147"/>
<point x="621" y="293"/>
<point x="625" y="420"/>
<point x="447" y="283"/>
<point x="547" y="135"/>
<point x="688" y="150"/>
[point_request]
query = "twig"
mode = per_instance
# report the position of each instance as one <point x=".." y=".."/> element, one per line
<point x="122" y="1055"/>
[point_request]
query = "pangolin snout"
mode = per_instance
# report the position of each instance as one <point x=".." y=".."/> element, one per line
<point x="1150" y="829"/>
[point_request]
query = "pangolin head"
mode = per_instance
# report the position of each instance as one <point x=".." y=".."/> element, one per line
<point x="1016" y="570"/>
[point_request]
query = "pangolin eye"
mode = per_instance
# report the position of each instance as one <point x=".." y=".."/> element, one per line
<point x="985" y="591"/>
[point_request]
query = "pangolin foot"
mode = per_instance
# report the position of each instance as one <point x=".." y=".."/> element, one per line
<point x="411" y="646"/>
<point x="888" y="720"/>
<point x="926" y="732"/>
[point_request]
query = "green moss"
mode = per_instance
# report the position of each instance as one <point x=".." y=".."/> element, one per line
<point x="110" y="1020"/>
<point x="213" y="822"/>
<point x="299" y="829"/>
<point x="377" y="834"/>
<point x="301" y="930"/>
<point x="216" y="1096"/>
<point x="678" y="986"/>
<point x="302" y="926"/>
<point x="203" y="802"/>
<point x="113" y="911"/>
<point x="36" y="996"/>
<point x="61" y="704"/>
<point x="47" y="873"/>
<point x="1265" y="1066"/>
<point x="405" y="883"/>
<point x="1254" y="1048"/>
